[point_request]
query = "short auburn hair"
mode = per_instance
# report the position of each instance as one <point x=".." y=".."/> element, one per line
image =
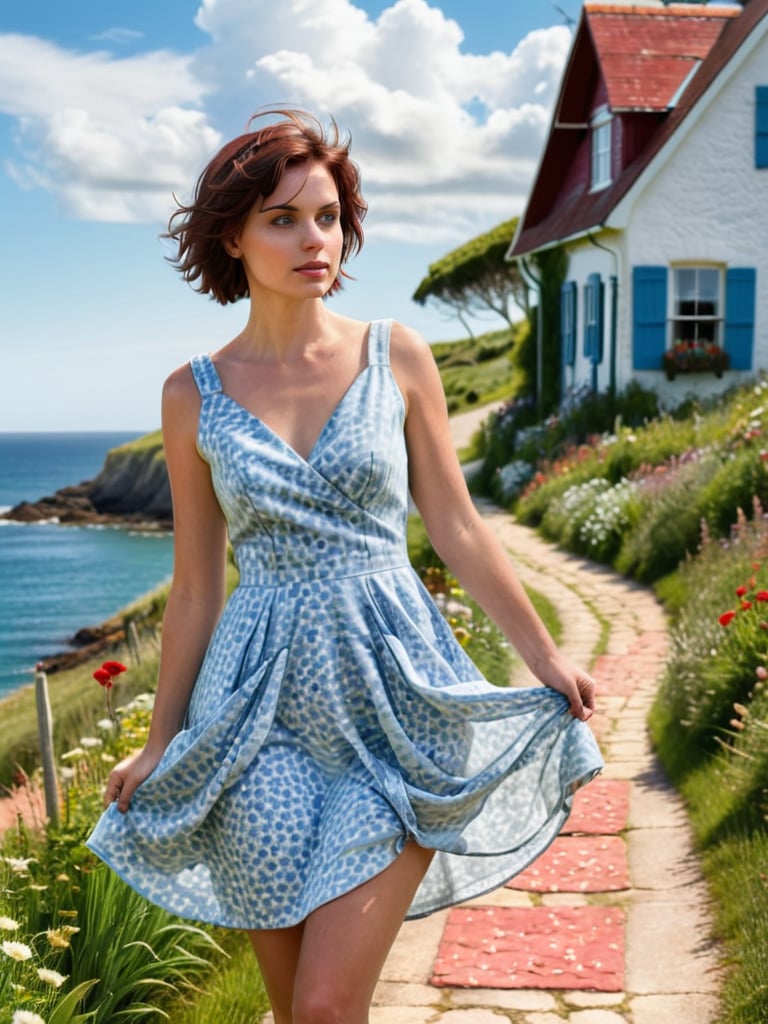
<point x="245" y="169"/>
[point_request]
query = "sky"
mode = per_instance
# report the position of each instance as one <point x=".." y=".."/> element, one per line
<point x="108" y="110"/>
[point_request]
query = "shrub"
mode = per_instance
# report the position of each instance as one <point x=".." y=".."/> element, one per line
<point x="667" y="520"/>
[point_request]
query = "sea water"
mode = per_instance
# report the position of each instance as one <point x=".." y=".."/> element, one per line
<point x="55" y="579"/>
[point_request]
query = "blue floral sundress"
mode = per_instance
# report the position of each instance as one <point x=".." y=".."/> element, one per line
<point x="335" y="715"/>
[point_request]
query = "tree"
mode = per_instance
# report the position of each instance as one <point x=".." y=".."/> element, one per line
<point x="476" y="279"/>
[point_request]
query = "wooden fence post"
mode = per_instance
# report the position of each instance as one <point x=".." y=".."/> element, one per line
<point x="45" y="733"/>
<point x="132" y="636"/>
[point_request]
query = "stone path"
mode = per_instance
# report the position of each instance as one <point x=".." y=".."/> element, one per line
<point x="610" y="925"/>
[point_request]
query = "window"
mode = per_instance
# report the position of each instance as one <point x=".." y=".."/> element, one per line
<point x="696" y="306"/>
<point x="601" y="149"/>
<point x="708" y="305"/>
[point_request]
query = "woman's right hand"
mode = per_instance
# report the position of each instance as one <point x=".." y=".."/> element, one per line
<point x="128" y="775"/>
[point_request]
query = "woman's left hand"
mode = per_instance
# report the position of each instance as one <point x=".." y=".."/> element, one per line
<point x="574" y="683"/>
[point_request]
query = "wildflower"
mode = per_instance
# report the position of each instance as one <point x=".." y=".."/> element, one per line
<point x="105" y="724"/>
<point x="70" y="755"/>
<point x="761" y="672"/>
<point x="58" y="938"/>
<point x="746" y="605"/>
<point x="51" y="977"/>
<point x="761" y="595"/>
<point x="26" y="1017"/>
<point x="741" y="591"/>
<point x="90" y="741"/>
<point x="16" y="950"/>
<point x="19" y="865"/>
<point x="7" y="924"/>
<point x="727" y="618"/>
<point x="462" y="635"/>
<point x="104" y="676"/>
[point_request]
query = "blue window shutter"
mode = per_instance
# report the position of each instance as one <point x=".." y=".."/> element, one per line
<point x="589" y="304"/>
<point x="649" y="317"/>
<point x="761" y="126"/>
<point x="740" y="285"/>
<point x="597" y="341"/>
<point x="594" y="293"/>
<point x="568" y="294"/>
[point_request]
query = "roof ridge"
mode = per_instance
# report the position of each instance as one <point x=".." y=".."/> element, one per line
<point x="674" y="10"/>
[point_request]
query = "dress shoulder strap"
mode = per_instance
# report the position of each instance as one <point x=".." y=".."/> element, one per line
<point x="205" y="374"/>
<point x="378" y="342"/>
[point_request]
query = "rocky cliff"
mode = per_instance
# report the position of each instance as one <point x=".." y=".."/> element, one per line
<point x="131" y="489"/>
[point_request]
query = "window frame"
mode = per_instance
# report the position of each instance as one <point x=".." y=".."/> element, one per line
<point x="601" y="149"/>
<point x="674" y="336"/>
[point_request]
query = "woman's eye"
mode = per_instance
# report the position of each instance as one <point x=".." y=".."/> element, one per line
<point x="282" y="219"/>
<point x="329" y="218"/>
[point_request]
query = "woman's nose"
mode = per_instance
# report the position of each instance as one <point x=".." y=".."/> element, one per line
<point x="313" y="236"/>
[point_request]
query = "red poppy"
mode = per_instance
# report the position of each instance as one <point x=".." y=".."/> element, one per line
<point x="114" y="667"/>
<point x="741" y="591"/>
<point x="726" y="618"/>
<point x="761" y="595"/>
<point x="746" y="605"/>
<point x="103" y="677"/>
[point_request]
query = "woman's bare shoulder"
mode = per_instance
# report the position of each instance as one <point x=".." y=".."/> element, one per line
<point x="180" y="385"/>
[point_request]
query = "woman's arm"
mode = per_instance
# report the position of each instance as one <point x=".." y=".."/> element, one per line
<point x="198" y="588"/>
<point x="462" y="539"/>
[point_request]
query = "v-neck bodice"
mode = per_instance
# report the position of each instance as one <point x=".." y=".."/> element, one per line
<point x="342" y="508"/>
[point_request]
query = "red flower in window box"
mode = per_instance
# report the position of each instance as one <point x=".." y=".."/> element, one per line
<point x="694" y="357"/>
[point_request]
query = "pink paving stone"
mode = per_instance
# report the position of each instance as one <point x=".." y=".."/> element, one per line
<point x="616" y="675"/>
<point x="601" y="808"/>
<point x="532" y="947"/>
<point x="577" y="864"/>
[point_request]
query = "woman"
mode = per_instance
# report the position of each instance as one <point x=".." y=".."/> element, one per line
<point x="324" y="760"/>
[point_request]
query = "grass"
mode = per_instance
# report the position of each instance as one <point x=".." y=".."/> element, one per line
<point x="477" y="371"/>
<point x="235" y="993"/>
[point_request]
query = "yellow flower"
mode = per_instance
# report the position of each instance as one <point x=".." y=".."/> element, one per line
<point x="17" y="950"/>
<point x="51" y="977"/>
<point x="58" y="938"/>
<point x="7" y="924"/>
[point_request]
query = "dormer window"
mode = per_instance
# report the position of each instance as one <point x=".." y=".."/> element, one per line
<point x="601" y="149"/>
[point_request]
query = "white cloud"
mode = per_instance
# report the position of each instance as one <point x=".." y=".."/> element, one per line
<point x="447" y="140"/>
<point x="117" y="35"/>
<point x="110" y="138"/>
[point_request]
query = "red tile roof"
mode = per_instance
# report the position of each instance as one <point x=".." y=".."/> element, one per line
<point x="645" y="53"/>
<point x="560" y="204"/>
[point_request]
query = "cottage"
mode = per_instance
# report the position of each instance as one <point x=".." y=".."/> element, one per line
<point x="654" y="177"/>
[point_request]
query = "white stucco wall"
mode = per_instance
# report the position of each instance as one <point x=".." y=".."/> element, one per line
<point x="704" y="202"/>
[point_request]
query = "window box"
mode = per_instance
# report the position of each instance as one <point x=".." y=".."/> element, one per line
<point x="694" y="357"/>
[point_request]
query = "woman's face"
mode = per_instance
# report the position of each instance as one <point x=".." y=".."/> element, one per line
<point x="291" y="241"/>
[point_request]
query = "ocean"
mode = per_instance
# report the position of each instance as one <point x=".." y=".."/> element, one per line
<point x="56" y="579"/>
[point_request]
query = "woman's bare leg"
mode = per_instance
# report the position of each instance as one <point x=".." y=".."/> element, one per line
<point x="277" y="951"/>
<point x="346" y="942"/>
